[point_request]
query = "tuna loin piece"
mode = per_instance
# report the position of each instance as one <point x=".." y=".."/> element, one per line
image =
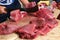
<point x="7" y="28"/>
<point x="17" y="15"/>
<point x="27" y="32"/>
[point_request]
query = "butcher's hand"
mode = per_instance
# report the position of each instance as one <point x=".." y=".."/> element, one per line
<point x="31" y="7"/>
<point x="2" y="10"/>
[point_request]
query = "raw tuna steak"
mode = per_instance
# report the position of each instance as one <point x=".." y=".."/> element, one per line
<point x="17" y="15"/>
<point x="7" y="28"/>
<point x="27" y="32"/>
